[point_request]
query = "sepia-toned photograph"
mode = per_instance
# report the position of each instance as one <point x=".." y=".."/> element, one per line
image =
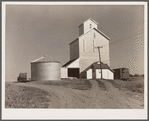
<point x="65" y="56"/>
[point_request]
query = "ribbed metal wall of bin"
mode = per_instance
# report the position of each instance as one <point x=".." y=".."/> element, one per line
<point x="45" y="69"/>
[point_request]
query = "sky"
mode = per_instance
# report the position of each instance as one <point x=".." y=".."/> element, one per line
<point x="36" y="30"/>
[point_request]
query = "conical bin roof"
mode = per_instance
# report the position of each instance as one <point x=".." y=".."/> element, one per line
<point x="44" y="59"/>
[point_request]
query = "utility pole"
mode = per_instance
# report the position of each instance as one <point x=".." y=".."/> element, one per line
<point x="100" y="59"/>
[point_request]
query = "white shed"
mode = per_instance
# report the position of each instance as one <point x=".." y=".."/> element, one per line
<point x="94" y="71"/>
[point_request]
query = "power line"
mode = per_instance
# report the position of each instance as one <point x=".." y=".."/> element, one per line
<point x="127" y="39"/>
<point x="137" y="33"/>
<point x="124" y="40"/>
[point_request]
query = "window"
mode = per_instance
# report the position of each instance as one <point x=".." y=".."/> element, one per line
<point x="90" y="26"/>
<point x="94" y="35"/>
<point x="93" y="45"/>
<point x="84" y="45"/>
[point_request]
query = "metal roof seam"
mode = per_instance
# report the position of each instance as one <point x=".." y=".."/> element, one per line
<point x="44" y="59"/>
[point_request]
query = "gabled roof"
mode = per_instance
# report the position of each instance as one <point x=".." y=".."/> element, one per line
<point x="44" y="59"/>
<point x="91" y="20"/>
<point x="97" y="66"/>
<point x="89" y="31"/>
<point x="102" y="33"/>
<point x="102" y="65"/>
<point x="69" y="62"/>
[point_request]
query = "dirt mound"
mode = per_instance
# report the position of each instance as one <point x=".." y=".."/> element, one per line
<point x="117" y="94"/>
<point x="90" y="94"/>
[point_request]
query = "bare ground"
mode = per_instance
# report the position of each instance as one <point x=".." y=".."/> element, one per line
<point x="101" y="95"/>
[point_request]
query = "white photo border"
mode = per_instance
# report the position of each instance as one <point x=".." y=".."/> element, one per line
<point x="75" y="113"/>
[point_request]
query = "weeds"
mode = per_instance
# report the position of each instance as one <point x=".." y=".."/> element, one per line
<point x="136" y="85"/>
<point x="80" y="84"/>
<point x="23" y="97"/>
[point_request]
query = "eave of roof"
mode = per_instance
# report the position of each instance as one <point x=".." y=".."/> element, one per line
<point x="89" y="31"/>
<point x="120" y="68"/>
<point x="103" y="66"/>
<point x="69" y="62"/>
<point x="97" y="66"/>
<point x="102" y="33"/>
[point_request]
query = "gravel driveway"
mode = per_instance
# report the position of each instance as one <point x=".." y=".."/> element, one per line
<point x="95" y="98"/>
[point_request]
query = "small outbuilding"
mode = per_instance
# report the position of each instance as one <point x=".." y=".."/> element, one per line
<point x="94" y="71"/>
<point x="22" y="77"/>
<point x="45" y="69"/>
<point x="121" y="73"/>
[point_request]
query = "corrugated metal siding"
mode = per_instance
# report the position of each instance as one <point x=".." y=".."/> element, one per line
<point x="45" y="71"/>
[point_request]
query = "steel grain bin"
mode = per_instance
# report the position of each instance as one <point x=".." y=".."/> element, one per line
<point x="45" y="69"/>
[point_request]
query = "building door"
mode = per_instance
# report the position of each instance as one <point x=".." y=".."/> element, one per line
<point x="73" y="72"/>
<point x="89" y="74"/>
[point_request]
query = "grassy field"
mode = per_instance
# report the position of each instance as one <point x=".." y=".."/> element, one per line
<point x="29" y="97"/>
<point x="23" y="97"/>
<point x="79" y="84"/>
<point x="136" y="84"/>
